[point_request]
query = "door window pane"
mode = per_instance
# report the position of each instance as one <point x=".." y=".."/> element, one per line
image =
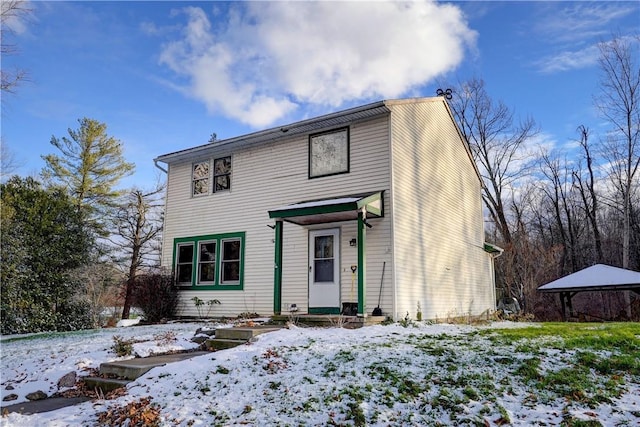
<point x="323" y="271"/>
<point x="324" y="247"/>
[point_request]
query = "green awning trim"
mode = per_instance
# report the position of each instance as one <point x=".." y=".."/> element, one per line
<point x="334" y="209"/>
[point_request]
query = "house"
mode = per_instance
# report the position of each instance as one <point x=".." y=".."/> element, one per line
<point x="373" y="206"/>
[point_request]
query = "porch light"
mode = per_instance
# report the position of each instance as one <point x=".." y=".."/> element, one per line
<point x="353" y="242"/>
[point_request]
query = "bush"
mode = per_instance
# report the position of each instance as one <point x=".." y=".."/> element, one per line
<point x="122" y="347"/>
<point x="73" y="316"/>
<point x="156" y="295"/>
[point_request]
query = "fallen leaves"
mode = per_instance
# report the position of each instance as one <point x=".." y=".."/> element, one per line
<point x="139" y="413"/>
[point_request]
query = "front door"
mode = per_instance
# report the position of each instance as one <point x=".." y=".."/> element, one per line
<point x="324" y="271"/>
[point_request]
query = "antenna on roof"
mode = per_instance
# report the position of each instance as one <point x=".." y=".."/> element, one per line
<point x="447" y="93"/>
<point x="213" y="138"/>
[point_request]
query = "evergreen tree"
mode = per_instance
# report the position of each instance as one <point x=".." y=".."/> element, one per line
<point x="90" y="166"/>
<point x="43" y="241"/>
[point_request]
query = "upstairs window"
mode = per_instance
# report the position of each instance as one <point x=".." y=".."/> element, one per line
<point x="200" y="178"/>
<point x="329" y="153"/>
<point x="222" y="174"/>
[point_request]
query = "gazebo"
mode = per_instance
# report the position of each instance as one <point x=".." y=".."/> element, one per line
<point x="599" y="277"/>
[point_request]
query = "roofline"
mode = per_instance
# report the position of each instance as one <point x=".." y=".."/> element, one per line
<point x="271" y="133"/>
<point x="302" y="127"/>
<point x="587" y="288"/>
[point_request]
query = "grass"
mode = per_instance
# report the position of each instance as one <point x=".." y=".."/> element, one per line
<point x="597" y="358"/>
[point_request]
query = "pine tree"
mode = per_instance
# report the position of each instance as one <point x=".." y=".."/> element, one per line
<point x="90" y="166"/>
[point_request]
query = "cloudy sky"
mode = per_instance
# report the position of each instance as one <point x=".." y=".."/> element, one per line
<point x="166" y="75"/>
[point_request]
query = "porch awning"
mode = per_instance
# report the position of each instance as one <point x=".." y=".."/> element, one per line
<point x="335" y="209"/>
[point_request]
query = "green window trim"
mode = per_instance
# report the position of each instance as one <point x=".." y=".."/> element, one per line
<point x="196" y="242"/>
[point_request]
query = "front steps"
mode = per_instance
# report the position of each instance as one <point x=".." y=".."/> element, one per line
<point x="232" y="337"/>
<point x="329" y="320"/>
<point x="114" y="375"/>
<point x="118" y="374"/>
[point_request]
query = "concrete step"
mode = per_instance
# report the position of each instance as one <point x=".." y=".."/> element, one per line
<point x="243" y="333"/>
<point x="104" y="384"/>
<point x="223" y="343"/>
<point x="133" y="368"/>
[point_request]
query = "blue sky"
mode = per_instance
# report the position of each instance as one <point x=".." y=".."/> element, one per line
<point x="163" y="76"/>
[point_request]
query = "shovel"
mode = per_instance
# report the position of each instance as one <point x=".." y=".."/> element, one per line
<point x="378" y="311"/>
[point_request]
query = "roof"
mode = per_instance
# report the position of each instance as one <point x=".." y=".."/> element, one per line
<point x="599" y="277"/>
<point x="334" y="209"/>
<point x="305" y="126"/>
<point x="326" y="121"/>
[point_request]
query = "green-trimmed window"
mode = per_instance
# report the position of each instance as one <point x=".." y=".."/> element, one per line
<point x="184" y="262"/>
<point x="230" y="260"/>
<point x="207" y="262"/>
<point x="211" y="262"/>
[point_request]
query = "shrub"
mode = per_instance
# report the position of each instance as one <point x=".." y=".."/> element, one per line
<point x="74" y="315"/>
<point x="156" y="295"/>
<point x="122" y="347"/>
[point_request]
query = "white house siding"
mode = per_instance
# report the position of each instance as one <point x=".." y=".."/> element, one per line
<point x="438" y="230"/>
<point x="269" y="176"/>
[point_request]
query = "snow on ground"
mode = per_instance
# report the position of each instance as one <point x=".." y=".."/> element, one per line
<point x="377" y="375"/>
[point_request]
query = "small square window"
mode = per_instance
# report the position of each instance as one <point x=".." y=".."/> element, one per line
<point x="329" y="153"/>
<point x="222" y="174"/>
<point x="200" y="178"/>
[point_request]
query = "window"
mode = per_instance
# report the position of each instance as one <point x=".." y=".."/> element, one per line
<point x="329" y="153"/>
<point x="184" y="264"/>
<point x="200" y="178"/>
<point x="207" y="262"/>
<point x="218" y="263"/>
<point x="230" y="261"/>
<point x="222" y="174"/>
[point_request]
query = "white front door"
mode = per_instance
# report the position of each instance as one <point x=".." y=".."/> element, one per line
<point x="324" y="271"/>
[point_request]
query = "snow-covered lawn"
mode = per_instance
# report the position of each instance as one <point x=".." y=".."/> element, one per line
<point x="420" y="375"/>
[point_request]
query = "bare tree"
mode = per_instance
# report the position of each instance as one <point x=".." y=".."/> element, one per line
<point x="138" y="223"/>
<point x="557" y="190"/>
<point x="498" y="146"/>
<point x="8" y="162"/>
<point x="619" y="103"/>
<point x="587" y="189"/>
<point x="11" y="13"/>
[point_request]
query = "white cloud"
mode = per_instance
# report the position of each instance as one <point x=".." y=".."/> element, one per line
<point x="261" y="60"/>
<point x="575" y="29"/>
<point x="571" y="22"/>
<point x="569" y="60"/>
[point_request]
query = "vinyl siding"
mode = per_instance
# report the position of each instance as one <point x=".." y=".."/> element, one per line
<point x="267" y="177"/>
<point x="438" y="230"/>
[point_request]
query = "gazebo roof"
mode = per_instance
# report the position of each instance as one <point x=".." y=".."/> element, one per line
<point x="599" y="277"/>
